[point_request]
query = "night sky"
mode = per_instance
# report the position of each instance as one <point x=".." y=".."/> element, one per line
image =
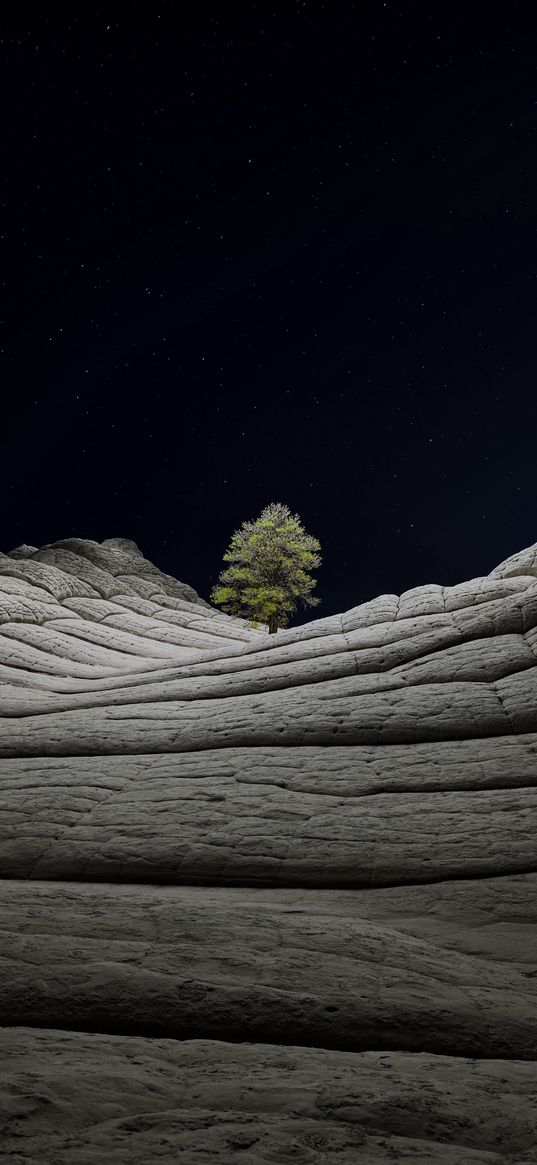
<point x="277" y="252"/>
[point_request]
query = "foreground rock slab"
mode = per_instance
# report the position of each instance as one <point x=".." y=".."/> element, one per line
<point x="105" y="1098"/>
<point x="351" y="971"/>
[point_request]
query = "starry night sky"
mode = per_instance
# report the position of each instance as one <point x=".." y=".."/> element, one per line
<point x="283" y="252"/>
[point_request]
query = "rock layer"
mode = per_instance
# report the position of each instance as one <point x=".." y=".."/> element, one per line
<point x="266" y="897"/>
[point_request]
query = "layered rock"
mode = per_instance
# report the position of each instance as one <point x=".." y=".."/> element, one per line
<point x="266" y="897"/>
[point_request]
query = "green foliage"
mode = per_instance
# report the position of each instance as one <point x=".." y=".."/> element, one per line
<point x="268" y="573"/>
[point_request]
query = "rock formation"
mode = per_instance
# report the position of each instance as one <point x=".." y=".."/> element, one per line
<point x="265" y="898"/>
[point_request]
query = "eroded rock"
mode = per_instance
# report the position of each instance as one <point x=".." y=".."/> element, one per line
<point x="308" y="858"/>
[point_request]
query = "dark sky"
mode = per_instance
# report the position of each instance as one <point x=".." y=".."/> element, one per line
<point x="276" y="252"/>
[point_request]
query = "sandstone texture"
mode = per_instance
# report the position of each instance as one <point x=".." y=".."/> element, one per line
<point x="265" y="898"/>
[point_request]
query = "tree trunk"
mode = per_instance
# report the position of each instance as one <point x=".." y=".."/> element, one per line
<point x="272" y="624"/>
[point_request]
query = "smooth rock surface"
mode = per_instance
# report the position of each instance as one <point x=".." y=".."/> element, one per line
<point x="265" y="898"/>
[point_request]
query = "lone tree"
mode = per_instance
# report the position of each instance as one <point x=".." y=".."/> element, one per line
<point x="269" y="560"/>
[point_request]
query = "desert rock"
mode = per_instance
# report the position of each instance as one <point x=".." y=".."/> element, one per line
<point x="265" y="898"/>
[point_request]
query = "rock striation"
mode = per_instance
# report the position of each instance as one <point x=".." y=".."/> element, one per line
<point x="265" y="898"/>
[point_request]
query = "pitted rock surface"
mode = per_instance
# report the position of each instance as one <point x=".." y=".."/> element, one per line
<point x="265" y="897"/>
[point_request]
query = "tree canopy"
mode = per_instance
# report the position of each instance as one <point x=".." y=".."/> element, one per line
<point x="268" y="573"/>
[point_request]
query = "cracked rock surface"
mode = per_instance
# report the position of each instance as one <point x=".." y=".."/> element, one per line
<point x="265" y="898"/>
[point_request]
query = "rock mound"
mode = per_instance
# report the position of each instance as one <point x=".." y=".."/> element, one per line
<point x="266" y="897"/>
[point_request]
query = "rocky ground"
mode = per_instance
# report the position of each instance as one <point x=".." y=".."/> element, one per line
<point x="265" y="898"/>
